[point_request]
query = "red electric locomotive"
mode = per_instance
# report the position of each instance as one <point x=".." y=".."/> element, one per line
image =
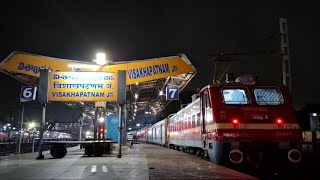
<point x="238" y="121"/>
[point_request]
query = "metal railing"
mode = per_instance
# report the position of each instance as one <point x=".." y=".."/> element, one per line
<point x="10" y="147"/>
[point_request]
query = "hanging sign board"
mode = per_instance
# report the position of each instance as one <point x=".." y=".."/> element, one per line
<point x="172" y="93"/>
<point x="136" y="71"/>
<point x="28" y="93"/>
<point x="82" y="86"/>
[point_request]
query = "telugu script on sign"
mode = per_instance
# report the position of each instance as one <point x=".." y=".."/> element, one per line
<point x="82" y="86"/>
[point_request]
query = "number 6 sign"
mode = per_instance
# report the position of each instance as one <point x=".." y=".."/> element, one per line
<point x="172" y="93"/>
<point x="28" y="93"/>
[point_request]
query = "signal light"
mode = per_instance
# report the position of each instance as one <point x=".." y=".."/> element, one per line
<point x="101" y="129"/>
<point x="101" y="119"/>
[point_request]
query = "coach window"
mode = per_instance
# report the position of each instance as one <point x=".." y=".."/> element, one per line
<point x="193" y="121"/>
<point x="177" y="126"/>
<point x="207" y="101"/>
<point x="189" y="122"/>
<point x="186" y="123"/>
<point x="182" y="124"/>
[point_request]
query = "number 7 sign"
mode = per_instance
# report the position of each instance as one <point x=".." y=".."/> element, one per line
<point x="172" y="93"/>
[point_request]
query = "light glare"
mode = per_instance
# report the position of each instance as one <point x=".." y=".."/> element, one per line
<point x="31" y="125"/>
<point x="101" y="58"/>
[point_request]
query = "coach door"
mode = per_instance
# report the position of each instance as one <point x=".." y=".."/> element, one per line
<point x="204" y="105"/>
<point x="160" y="134"/>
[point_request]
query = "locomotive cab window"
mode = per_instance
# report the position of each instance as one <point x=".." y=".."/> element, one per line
<point x="235" y="96"/>
<point x="205" y="108"/>
<point x="207" y="101"/>
<point x="268" y="96"/>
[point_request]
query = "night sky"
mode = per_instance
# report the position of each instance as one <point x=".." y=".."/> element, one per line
<point x="149" y="29"/>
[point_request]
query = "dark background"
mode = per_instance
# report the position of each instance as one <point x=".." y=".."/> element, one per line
<point x="148" y="29"/>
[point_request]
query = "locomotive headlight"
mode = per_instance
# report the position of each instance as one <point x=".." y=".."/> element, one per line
<point x="101" y="119"/>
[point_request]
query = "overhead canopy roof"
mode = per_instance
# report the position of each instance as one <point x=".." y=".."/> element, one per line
<point x="142" y="78"/>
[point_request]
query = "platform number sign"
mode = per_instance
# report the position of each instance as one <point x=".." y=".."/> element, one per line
<point x="28" y="93"/>
<point x="172" y="93"/>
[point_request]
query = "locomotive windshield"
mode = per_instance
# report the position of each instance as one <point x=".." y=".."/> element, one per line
<point x="235" y="96"/>
<point x="268" y="96"/>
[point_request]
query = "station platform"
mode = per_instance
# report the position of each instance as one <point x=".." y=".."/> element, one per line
<point x="141" y="162"/>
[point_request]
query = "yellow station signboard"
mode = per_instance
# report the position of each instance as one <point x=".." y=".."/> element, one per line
<point x="136" y="71"/>
<point x="82" y="86"/>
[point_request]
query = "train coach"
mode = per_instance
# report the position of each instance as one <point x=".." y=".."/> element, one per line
<point x="3" y="136"/>
<point x="141" y="135"/>
<point x="157" y="133"/>
<point x="239" y="121"/>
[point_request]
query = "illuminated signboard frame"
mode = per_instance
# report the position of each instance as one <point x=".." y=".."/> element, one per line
<point x="82" y="86"/>
<point x="136" y="71"/>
